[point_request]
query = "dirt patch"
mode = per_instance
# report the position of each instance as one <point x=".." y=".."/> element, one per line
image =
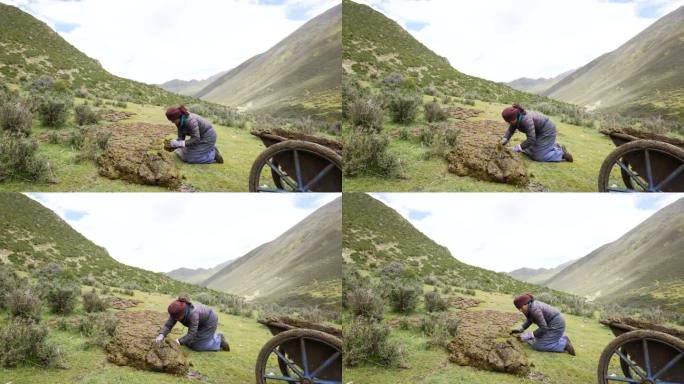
<point x="483" y="341"/>
<point x="290" y="323"/>
<point x="479" y="154"/>
<point x="133" y="344"/>
<point x="463" y="303"/>
<point x="414" y="321"/>
<point x="461" y="113"/>
<point x="630" y="324"/>
<point x="135" y="153"/>
<point x="122" y="303"/>
<point x="115" y="116"/>
<point x="291" y="135"/>
<point x="633" y="134"/>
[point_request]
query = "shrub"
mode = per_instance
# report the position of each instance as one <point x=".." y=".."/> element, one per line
<point x="365" y="302"/>
<point x="24" y="303"/>
<point x="403" y="107"/>
<point x="54" y="110"/>
<point x="98" y="328"/>
<point x="439" y="328"/>
<point x="434" y="112"/>
<point x="434" y="302"/>
<point x="205" y="298"/>
<point x="16" y="117"/>
<point x="404" y="295"/>
<point x="78" y="138"/>
<point x="366" y="113"/>
<point x="19" y="158"/>
<point x="89" y="280"/>
<point x="8" y="282"/>
<point x="369" y="342"/>
<point x="24" y="342"/>
<point x="93" y="303"/>
<point x="393" y="80"/>
<point x="367" y="153"/>
<point x="102" y="139"/>
<point x="61" y="298"/>
<point x="304" y="125"/>
<point x="54" y="137"/>
<point x="85" y="115"/>
<point x="404" y="133"/>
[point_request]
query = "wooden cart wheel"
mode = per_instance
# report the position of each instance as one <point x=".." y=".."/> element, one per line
<point x="297" y="166"/>
<point x="660" y="358"/>
<point x="655" y="179"/>
<point x="305" y="365"/>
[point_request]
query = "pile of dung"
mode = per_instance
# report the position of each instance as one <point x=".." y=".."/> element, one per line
<point x="135" y="153"/>
<point x="479" y="154"/>
<point x="644" y="135"/>
<point x="122" y="303"/>
<point x="631" y="324"/>
<point x="133" y="344"/>
<point x="463" y="303"/>
<point x="461" y="113"/>
<point x="293" y="135"/>
<point x="115" y="116"/>
<point x="413" y="321"/>
<point x="291" y="323"/>
<point x="483" y="341"/>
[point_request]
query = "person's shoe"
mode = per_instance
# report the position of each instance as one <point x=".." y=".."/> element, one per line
<point x="217" y="156"/>
<point x="569" y="348"/>
<point x="224" y="343"/>
<point x="566" y="155"/>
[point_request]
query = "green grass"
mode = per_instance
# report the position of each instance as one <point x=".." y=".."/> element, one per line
<point x="432" y="365"/>
<point x="237" y="146"/>
<point x="588" y="146"/>
<point x="245" y="335"/>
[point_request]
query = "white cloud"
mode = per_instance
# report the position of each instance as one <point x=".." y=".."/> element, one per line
<point x="161" y="232"/>
<point x="502" y="40"/>
<point x="154" y="41"/>
<point x="503" y="232"/>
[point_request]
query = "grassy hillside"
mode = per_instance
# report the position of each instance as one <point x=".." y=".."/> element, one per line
<point x="537" y="86"/>
<point x="301" y="266"/>
<point x="189" y="87"/>
<point x="299" y="76"/>
<point x="642" y="77"/>
<point x="197" y="275"/>
<point x="643" y="267"/>
<point x="540" y="275"/>
<point x="31" y="50"/>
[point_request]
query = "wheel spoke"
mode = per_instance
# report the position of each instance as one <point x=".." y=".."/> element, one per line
<point x="672" y="176"/>
<point x="282" y="175"/>
<point x="622" y="379"/>
<point x="669" y="365"/>
<point x="649" y="170"/>
<point x="298" y="169"/>
<point x="647" y="359"/>
<point x="631" y="365"/>
<point x="631" y="174"/>
<point x="305" y="360"/>
<point x="290" y="365"/>
<point x="282" y="378"/>
<point x="326" y="364"/>
<point x="318" y="177"/>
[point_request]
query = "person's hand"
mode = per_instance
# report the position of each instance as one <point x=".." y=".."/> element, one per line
<point x="517" y="148"/>
<point x="504" y="141"/>
<point x="177" y="143"/>
<point x="177" y="342"/>
<point x="526" y="336"/>
<point x="159" y="338"/>
<point x="515" y="331"/>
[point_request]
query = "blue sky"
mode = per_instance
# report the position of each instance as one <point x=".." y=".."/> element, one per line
<point x="154" y="41"/>
<point x="507" y="231"/>
<point x="165" y="231"/>
<point x="503" y="40"/>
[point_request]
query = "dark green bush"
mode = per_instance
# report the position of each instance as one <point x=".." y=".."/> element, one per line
<point x="24" y="303"/>
<point x="368" y="342"/>
<point x="434" y="112"/>
<point x="85" y="115"/>
<point x="16" y="118"/>
<point x="61" y="298"/>
<point x="19" y="158"/>
<point x="54" y="110"/>
<point x="434" y="302"/>
<point x="403" y="106"/>
<point x="93" y="303"/>
<point x="366" y="113"/>
<point x="403" y="295"/>
<point x="367" y="153"/>
<point x="365" y="302"/>
<point x="24" y="342"/>
<point x="97" y="328"/>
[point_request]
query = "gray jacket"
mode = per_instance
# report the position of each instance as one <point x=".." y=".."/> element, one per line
<point x="198" y="129"/>
<point x="534" y="126"/>
<point x="541" y="314"/>
<point x="196" y="317"/>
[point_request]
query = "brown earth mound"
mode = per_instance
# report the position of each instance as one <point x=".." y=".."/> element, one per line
<point x="285" y="322"/>
<point x="291" y="135"/>
<point x="461" y="113"/>
<point x="483" y="341"/>
<point x="133" y="344"/>
<point x="479" y="154"/>
<point x="122" y="303"/>
<point x="463" y="303"/>
<point x="115" y="116"/>
<point x="135" y="154"/>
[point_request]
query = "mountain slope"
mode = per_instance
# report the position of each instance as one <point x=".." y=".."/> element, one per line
<point x="540" y="275"/>
<point x="537" y="86"/>
<point x="301" y="74"/>
<point x="643" y="76"/>
<point x="190" y="87"/>
<point x="644" y="265"/>
<point x="376" y="46"/>
<point x="29" y="50"/>
<point x="33" y="236"/>
<point x="301" y="265"/>
<point x="198" y="275"/>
